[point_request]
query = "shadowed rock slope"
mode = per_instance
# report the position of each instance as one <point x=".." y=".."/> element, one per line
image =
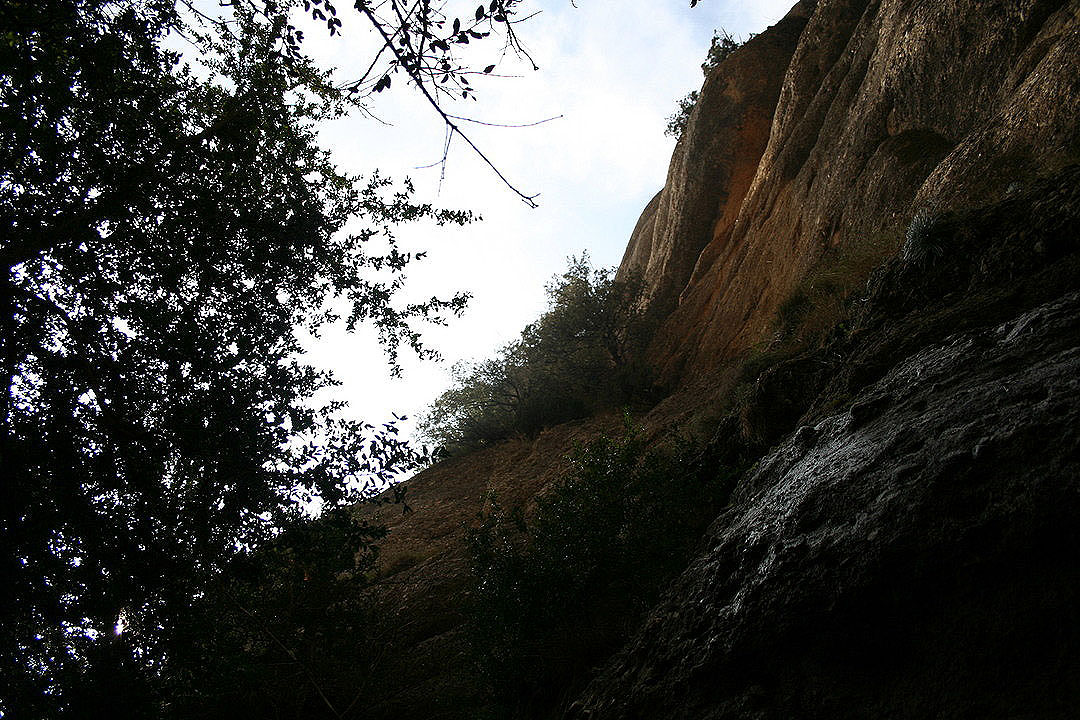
<point x="911" y="550"/>
<point x="915" y="556"/>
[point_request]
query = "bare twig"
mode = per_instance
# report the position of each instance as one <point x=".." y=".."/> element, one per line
<point x="452" y="127"/>
<point x="505" y="125"/>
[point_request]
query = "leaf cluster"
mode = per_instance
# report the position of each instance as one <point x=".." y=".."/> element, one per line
<point x="282" y="632"/>
<point x="429" y="39"/>
<point x="723" y="44"/>
<point x="678" y="120"/>
<point x="429" y="42"/>
<point x="582" y="355"/>
<point x="554" y="594"/>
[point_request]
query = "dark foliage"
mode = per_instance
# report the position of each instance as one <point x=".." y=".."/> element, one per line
<point x="676" y="122"/>
<point x="582" y="355"/>
<point x="556" y="594"/>
<point x="722" y="45"/>
<point x="283" y="632"/>
<point x="922" y="244"/>
<point x="167" y="220"/>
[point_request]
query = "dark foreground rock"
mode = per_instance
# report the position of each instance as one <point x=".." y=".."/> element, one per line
<point x="914" y="555"/>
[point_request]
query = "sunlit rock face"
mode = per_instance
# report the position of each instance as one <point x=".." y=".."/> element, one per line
<point x="714" y="162"/>
<point x="887" y="107"/>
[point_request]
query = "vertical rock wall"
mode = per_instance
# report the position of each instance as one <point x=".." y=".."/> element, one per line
<point x="714" y="161"/>
<point x="886" y="107"/>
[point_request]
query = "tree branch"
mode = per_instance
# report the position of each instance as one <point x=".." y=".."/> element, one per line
<point x="414" y="73"/>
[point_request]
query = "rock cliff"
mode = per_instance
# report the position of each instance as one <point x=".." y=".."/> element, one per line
<point x="714" y="162"/>
<point x="911" y="549"/>
<point x="906" y="542"/>
<point x="886" y="108"/>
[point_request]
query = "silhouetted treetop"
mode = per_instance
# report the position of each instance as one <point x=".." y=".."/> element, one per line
<point x="167" y="218"/>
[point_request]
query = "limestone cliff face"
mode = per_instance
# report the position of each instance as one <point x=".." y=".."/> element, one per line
<point x="887" y="107"/>
<point x="907" y="548"/>
<point x="714" y="161"/>
<point x="912" y="550"/>
<point x="906" y="543"/>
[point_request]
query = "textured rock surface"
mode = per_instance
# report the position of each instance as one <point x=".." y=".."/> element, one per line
<point x="913" y="556"/>
<point x="887" y="107"/>
<point x="714" y="161"/>
<point x="911" y="551"/>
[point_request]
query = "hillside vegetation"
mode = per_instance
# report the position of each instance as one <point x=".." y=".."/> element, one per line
<point x="583" y="355"/>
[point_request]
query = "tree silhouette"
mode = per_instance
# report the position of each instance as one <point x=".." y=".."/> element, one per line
<point x="167" y="219"/>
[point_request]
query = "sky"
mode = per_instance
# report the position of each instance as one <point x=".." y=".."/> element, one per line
<point x="612" y="71"/>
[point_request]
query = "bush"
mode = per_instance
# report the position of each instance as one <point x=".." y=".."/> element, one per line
<point x="582" y="355"/>
<point x="282" y="632"/>
<point x="677" y="121"/>
<point x="923" y="246"/>
<point x="722" y="45"/>
<point x="556" y="594"/>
